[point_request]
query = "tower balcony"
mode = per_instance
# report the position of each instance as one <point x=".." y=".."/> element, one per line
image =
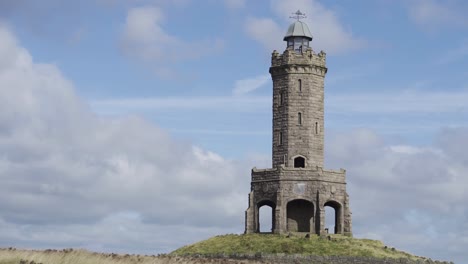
<point x="282" y="173"/>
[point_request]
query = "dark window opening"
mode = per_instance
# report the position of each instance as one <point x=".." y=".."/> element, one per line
<point x="316" y="128"/>
<point x="281" y="100"/>
<point x="300" y="85"/>
<point x="299" y="162"/>
<point x="299" y="118"/>
<point x="281" y="138"/>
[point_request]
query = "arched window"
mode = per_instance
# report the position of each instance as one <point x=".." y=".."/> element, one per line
<point x="299" y="162"/>
<point x="299" y="85"/>
<point x="299" y="118"/>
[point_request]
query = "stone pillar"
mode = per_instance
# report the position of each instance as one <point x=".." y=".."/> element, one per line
<point x="250" y="219"/>
<point x="279" y="227"/>
<point x="318" y="215"/>
<point x="321" y="216"/>
<point x="339" y="221"/>
<point x="278" y="221"/>
<point x="312" y="225"/>
<point x="347" y="224"/>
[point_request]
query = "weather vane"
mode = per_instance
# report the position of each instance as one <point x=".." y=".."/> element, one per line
<point x="298" y="15"/>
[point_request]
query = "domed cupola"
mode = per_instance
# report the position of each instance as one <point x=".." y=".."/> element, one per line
<point x="298" y="35"/>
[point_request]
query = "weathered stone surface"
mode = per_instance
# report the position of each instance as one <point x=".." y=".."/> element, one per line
<point x="297" y="188"/>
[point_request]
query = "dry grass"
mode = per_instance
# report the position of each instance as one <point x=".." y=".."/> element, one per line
<point x="86" y="257"/>
<point x="69" y="256"/>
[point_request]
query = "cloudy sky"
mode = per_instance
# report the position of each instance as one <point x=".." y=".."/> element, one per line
<point x="132" y="125"/>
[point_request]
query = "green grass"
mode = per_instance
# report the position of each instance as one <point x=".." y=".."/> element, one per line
<point x="273" y="244"/>
<point x="225" y="244"/>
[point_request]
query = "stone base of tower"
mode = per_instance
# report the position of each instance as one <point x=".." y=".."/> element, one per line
<point x="298" y="197"/>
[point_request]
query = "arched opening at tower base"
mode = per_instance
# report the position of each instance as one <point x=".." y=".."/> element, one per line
<point x="266" y="217"/>
<point x="333" y="217"/>
<point x="265" y="224"/>
<point x="300" y="216"/>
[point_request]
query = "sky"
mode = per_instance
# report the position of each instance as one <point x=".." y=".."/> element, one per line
<point x="132" y="125"/>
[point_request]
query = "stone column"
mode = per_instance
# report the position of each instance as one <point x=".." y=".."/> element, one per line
<point x="312" y="224"/>
<point x="250" y="219"/>
<point x="278" y="218"/>
<point x="321" y="216"/>
<point x="339" y="221"/>
<point x="347" y="224"/>
<point x="279" y="214"/>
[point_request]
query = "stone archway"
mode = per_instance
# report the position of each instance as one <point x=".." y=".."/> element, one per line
<point x="272" y="205"/>
<point x="300" y="215"/>
<point x="338" y="226"/>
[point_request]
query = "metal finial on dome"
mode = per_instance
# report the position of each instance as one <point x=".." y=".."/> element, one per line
<point x="298" y="15"/>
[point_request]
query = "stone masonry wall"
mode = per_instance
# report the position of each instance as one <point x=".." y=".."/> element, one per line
<point x="298" y="107"/>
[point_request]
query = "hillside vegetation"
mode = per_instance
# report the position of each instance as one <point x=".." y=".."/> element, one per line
<point x="247" y="249"/>
<point x="69" y="256"/>
<point x="334" y="245"/>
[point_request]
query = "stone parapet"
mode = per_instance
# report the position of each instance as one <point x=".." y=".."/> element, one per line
<point x="299" y="174"/>
<point x="264" y="174"/>
<point x="308" y="57"/>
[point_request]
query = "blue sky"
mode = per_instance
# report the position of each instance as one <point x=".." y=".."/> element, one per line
<point x="122" y="91"/>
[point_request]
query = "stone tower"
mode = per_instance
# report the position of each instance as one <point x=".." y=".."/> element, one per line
<point x="297" y="187"/>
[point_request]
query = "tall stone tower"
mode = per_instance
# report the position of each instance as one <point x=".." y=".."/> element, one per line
<point x="297" y="188"/>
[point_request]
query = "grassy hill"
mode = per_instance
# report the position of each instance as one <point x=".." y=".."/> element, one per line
<point x="233" y="249"/>
<point x="334" y="245"/>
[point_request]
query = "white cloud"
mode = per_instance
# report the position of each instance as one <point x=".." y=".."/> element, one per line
<point x="410" y="197"/>
<point x="66" y="173"/>
<point x="395" y="103"/>
<point x="266" y="31"/>
<point x="328" y="32"/>
<point x="404" y="102"/>
<point x="218" y="103"/>
<point x="176" y="3"/>
<point x="248" y="85"/>
<point x="145" y="39"/>
<point x="435" y="14"/>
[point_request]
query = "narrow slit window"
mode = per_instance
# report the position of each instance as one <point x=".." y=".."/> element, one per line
<point x="281" y="99"/>
<point x="316" y="128"/>
<point x="281" y="138"/>
<point x="299" y="118"/>
<point x="299" y="82"/>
